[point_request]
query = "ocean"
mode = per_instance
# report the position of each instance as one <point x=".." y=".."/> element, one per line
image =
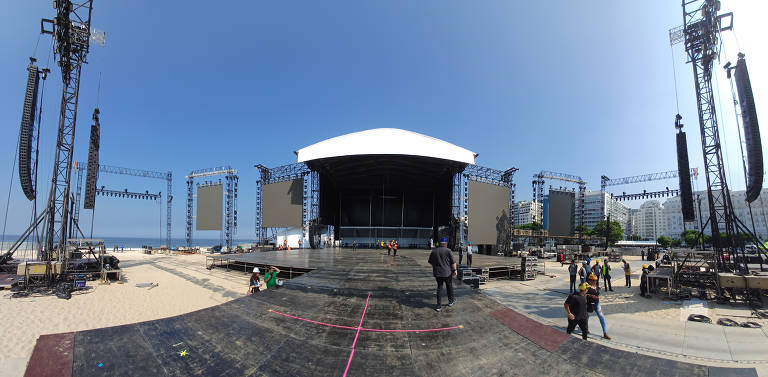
<point x="137" y="242"/>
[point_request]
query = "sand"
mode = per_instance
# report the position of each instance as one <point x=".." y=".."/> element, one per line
<point x="183" y="286"/>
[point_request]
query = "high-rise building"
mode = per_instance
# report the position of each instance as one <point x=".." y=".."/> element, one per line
<point x="527" y="212"/>
<point x="649" y="222"/>
<point x="598" y="205"/>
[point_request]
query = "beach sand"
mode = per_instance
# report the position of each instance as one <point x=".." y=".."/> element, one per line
<point x="183" y="286"/>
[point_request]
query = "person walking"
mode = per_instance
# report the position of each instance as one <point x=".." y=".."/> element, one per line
<point x="627" y="274"/>
<point x="606" y="271"/>
<point x="583" y="272"/>
<point x="443" y="269"/>
<point x="394" y="247"/>
<point x="593" y="302"/>
<point x="354" y="245"/>
<point x="389" y="247"/>
<point x="644" y="281"/>
<point x="469" y="254"/>
<point x="642" y="254"/>
<point x="576" y="308"/>
<point x="572" y="271"/>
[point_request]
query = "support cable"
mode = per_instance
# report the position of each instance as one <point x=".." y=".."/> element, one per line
<point x="10" y="187"/>
<point x="674" y="77"/>
<point x="36" y="234"/>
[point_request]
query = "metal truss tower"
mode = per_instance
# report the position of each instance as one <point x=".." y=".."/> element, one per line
<point x="701" y="36"/>
<point x="460" y="200"/>
<point x="230" y="215"/>
<point x="166" y="176"/>
<point x="538" y="189"/>
<point x="71" y="29"/>
<point x="311" y="197"/>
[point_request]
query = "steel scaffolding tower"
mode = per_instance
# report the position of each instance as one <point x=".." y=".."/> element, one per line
<point x="230" y="221"/>
<point x="71" y="30"/>
<point x="460" y="200"/>
<point x="701" y="36"/>
<point x="538" y="189"/>
<point x="311" y="196"/>
<point x="260" y="231"/>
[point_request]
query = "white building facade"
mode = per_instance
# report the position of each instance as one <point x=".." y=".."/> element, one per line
<point x="598" y="205"/>
<point x="648" y="222"/>
<point x="527" y="212"/>
<point x="674" y="217"/>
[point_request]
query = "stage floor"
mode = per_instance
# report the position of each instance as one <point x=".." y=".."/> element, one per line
<point x="358" y="313"/>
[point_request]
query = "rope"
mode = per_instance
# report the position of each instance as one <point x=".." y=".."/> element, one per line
<point x="674" y="76"/>
<point x="721" y="128"/>
<point x="10" y="187"/>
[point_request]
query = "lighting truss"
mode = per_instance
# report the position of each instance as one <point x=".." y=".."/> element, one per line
<point x="128" y="195"/>
<point x="647" y="195"/>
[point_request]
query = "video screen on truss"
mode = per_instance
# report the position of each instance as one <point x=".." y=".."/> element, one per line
<point x="488" y="213"/>
<point x="209" y="207"/>
<point x="282" y="204"/>
<point x="560" y="216"/>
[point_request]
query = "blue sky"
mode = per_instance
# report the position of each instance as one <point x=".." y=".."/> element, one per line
<point x="560" y="86"/>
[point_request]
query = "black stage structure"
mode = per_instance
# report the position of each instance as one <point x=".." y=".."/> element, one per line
<point x="377" y="192"/>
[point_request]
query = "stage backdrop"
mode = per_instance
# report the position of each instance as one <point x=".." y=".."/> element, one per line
<point x="282" y="204"/>
<point x="209" y="207"/>
<point x="488" y="213"/>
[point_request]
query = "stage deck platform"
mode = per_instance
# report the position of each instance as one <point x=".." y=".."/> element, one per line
<point x="358" y="313"/>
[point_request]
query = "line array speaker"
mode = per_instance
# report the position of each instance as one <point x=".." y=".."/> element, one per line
<point x="751" y="131"/>
<point x="27" y="132"/>
<point x="684" y="173"/>
<point x="92" y="174"/>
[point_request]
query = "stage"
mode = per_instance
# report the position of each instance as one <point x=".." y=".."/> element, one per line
<point x="355" y="313"/>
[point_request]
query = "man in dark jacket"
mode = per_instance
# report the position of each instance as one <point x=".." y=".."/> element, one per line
<point x="576" y="308"/>
<point x="443" y="269"/>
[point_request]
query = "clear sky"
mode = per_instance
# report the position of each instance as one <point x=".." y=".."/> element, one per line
<point x="560" y="86"/>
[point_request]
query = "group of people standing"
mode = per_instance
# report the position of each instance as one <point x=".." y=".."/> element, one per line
<point x="583" y="273"/>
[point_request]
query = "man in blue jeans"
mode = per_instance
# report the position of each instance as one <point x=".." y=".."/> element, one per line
<point x="443" y="269"/>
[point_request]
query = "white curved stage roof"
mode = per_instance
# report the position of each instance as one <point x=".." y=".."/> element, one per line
<point x="385" y="141"/>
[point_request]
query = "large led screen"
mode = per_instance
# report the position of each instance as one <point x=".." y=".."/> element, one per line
<point x="488" y="213"/>
<point x="209" y="207"/>
<point x="560" y="213"/>
<point x="282" y="204"/>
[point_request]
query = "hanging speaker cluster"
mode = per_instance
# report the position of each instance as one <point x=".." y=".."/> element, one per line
<point x="684" y="173"/>
<point x="27" y="131"/>
<point x="751" y="130"/>
<point x="92" y="174"/>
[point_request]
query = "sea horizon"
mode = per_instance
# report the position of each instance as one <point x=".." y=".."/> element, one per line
<point x="137" y="242"/>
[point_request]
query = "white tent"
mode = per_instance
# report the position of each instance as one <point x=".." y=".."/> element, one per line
<point x="385" y="141"/>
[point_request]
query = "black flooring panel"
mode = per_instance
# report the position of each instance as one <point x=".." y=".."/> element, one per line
<point x="247" y="336"/>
